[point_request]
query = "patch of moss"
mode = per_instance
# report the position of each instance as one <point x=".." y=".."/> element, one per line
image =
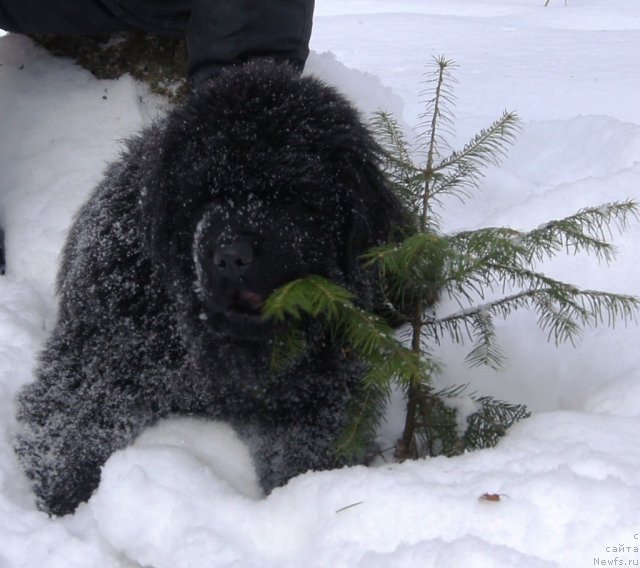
<point x="159" y="62"/>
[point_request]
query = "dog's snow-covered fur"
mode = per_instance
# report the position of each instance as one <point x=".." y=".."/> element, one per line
<point x="258" y="178"/>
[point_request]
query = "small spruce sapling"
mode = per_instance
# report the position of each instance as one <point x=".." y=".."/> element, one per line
<point x="466" y="267"/>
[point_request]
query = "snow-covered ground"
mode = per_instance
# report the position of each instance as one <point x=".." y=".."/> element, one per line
<point x="185" y="494"/>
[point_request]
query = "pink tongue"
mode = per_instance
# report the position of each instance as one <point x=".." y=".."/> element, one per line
<point x="255" y="301"/>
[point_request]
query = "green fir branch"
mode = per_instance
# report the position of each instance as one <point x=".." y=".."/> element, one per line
<point x="438" y="100"/>
<point x="488" y="273"/>
<point x="311" y="296"/>
<point x="403" y="175"/>
<point x="486" y="350"/>
<point x="366" y="412"/>
<point x="486" y="426"/>
<point x="488" y="147"/>
<point x="441" y="431"/>
<point x="461" y="172"/>
<point x="363" y="334"/>
<point x="288" y="346"/>
<point x="563" y="311"/>
<point x="586" y="231"/>
<point x="436" y="114"/>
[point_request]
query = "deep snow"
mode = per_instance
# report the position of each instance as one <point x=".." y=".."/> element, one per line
<point x="185" y="495"/>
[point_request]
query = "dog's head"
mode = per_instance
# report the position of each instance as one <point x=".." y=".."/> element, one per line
<point x="263" y="177"/>
<point x="243" y="253"/>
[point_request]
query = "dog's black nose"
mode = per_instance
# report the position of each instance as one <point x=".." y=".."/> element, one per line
<point x="233" y="260"/>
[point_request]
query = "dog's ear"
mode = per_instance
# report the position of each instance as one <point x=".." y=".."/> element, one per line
<point x="170" y="211"/>
<point x="374" y="214"/>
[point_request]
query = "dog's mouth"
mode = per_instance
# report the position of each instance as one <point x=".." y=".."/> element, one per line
<point x="239" y="315"/>
<point x="242" y="316"/>
<point x="247" y="303"/>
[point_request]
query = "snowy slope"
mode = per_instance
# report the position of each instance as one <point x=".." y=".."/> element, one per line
<point x="185" y="495"/>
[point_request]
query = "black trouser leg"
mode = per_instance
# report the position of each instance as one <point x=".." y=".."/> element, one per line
<point x="223" y="32"/>
<point x="59" y="17"/>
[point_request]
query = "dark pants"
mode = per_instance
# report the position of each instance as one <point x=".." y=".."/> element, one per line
<point x="218" y="32"/>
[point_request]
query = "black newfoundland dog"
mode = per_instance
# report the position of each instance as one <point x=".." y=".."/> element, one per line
<point x="257" y="179"/>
